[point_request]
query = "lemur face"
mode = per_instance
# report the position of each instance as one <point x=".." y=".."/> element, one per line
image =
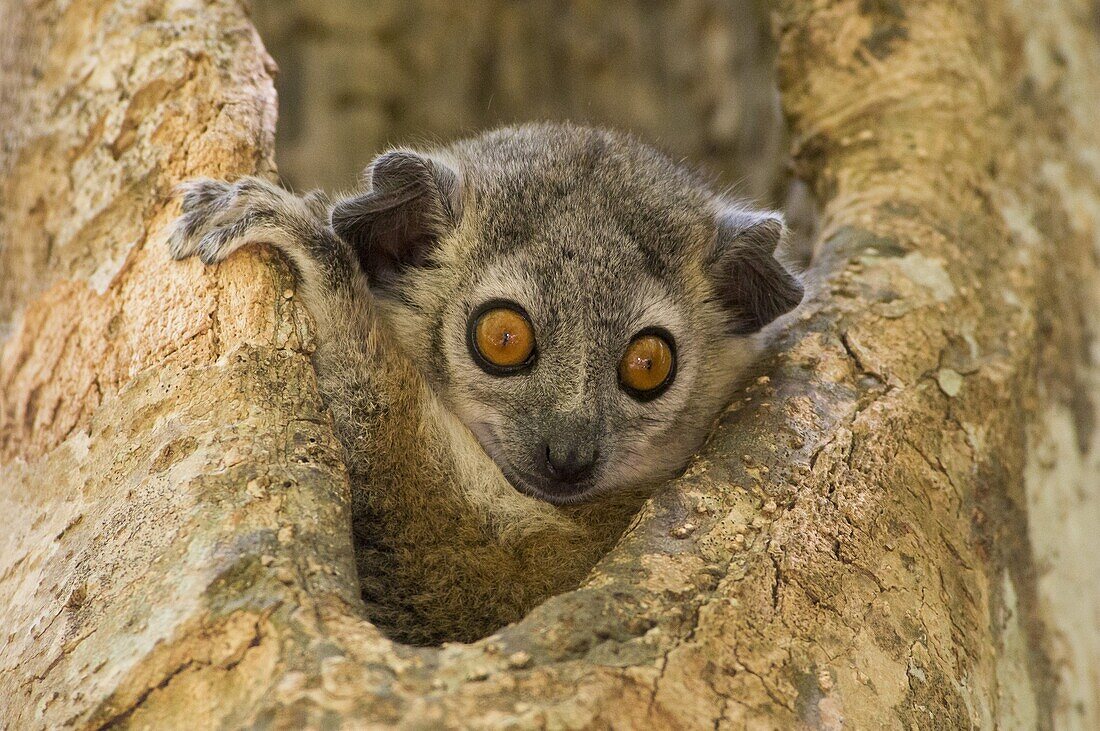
<point x="582" y="304"/>
<point x="609" y="377"/>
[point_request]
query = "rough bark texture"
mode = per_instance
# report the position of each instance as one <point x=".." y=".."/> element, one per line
<point x="892" y="529"/>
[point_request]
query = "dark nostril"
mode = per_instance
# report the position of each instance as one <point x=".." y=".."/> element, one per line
<point x="570" y="465"/>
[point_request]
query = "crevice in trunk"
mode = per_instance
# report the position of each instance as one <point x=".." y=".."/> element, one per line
<point x="696" y="79"/>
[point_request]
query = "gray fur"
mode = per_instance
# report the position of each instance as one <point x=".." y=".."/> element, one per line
<point x="596" y="236"/>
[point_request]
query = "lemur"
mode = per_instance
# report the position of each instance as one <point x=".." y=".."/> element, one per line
<point x="519" y="336"/>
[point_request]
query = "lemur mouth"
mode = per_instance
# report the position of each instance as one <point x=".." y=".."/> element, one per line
<point x="547" y="490"/>
<point x="532" y="485"/>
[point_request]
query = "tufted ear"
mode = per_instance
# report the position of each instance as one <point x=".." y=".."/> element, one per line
<point x="751" y="283"/>
<point x="411" y="201"/>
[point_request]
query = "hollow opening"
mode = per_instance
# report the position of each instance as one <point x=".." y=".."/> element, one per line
<point x="695" y="78"/>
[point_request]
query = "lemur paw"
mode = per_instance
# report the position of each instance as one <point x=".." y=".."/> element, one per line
<point x="218" y="217"/>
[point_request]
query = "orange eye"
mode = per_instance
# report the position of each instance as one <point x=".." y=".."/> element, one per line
<point x="647" y="366"/>
<point x="502" y="340"/>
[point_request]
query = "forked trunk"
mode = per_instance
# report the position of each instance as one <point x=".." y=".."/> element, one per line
<point x="896" y="527"/>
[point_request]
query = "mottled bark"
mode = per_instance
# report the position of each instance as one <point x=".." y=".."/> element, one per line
<point x="893" y="528"/>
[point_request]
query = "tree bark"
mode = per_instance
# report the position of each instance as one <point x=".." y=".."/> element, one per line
<point x="892" y="528"/>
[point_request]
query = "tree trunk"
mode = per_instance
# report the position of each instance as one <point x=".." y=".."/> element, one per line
<point x="894" y="528"/>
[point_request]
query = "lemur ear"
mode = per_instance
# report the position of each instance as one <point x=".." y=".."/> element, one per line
<point x="751" y="284"/>
<point x="411" y="201"/>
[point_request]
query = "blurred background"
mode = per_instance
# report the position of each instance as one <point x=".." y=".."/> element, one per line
<point x="694" y="77"/>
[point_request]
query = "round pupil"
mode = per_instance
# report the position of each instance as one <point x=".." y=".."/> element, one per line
<point x="646" y="363"/>
<point x="504" y="337"/>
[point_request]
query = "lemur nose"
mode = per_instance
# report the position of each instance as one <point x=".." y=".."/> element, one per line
<point x="570" y="462"/>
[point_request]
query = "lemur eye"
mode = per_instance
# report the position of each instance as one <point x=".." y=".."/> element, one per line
<point x="501" y="338"/>
<point x="648" y="365"/>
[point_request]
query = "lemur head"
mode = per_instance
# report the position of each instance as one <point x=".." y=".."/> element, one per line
<point x="583" y="304"/>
